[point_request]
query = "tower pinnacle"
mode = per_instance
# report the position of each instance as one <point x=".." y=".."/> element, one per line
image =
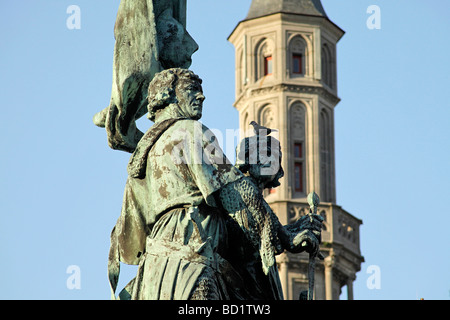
<point x="286" y="79"/>
<point x="261" y="8"/>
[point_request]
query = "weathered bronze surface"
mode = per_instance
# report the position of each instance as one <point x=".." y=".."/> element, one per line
<point x="150" y="37"/>
<point x="197" y="226"/>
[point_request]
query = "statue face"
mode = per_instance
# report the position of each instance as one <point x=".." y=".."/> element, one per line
<point x="265" y="173"/>
<point x="176" y="44"/>
<point x="190" y="99"/>
<point x="267" y="170"/>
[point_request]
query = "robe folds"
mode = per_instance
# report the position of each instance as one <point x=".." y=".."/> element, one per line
<point x="170" y="224"/>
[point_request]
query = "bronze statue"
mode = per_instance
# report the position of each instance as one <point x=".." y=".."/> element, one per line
<point x="150" y="36"/>
<point x="197" y="226"/>
<point x="179" y="198"/>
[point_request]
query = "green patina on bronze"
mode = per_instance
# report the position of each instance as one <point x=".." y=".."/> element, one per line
<point x="150" y="36"/>
<point x="197" y="226"/>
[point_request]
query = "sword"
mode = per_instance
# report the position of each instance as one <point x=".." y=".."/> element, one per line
<point x="313" y="201"/>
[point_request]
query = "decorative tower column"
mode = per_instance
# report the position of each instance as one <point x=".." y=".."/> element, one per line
<point x="286" y="79"/>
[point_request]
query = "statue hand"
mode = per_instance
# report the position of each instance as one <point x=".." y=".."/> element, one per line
<point x="306" y="240"/>
<point x="311" y="222"/>
<point x="305" y="234"/>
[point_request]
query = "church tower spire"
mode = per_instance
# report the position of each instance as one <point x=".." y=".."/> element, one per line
<point x="286" y="79"/>
<point x="260" y="8"/>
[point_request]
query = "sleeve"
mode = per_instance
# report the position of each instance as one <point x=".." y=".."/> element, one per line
<point x="249" y="209"/>
<point x="210" y="168"/>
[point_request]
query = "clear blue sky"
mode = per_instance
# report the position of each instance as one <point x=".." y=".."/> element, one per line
<point x="61" y="186"/>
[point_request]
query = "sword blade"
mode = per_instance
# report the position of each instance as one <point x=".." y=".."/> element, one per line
<point x="311" y="270"/>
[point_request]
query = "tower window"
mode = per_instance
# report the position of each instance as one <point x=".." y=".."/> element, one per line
<point x="298" y="167"/>
<point x="297" y="57"/>
<point x="298" y="177"/>
<point x="326" y="191"/>
<point x="298" y="150"/>
<point x="268" y="66"/>
<point x="264" y="54"/>
<point x="297" y="64"/>
<point x="327" y="69"/>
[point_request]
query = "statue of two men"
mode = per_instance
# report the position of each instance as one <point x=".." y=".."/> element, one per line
<point x="197" y="226"/>
<point x="185" y="204"/>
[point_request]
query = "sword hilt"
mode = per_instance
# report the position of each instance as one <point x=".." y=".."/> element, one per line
<point x="313" y="201"/>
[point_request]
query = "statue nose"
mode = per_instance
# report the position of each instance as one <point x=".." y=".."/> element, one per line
<point x="191" y="44"/>
<point x="201" y="97"/>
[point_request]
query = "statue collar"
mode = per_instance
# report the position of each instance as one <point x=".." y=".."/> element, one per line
<point x="138" y="161"/>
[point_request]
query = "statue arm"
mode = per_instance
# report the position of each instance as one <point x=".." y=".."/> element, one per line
<point x="244" y="201"/>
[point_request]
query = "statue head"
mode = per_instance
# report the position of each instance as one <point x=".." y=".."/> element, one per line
<point x="176" y="89"/>
<point x="260" y="158"/>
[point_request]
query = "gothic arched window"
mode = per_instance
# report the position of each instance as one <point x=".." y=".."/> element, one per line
<point x="267" y="117"/>
<point x="327" y="66"/>
<point x="298" y="147"/>
<point x="297" y="56"/>
<point x="241" y="76"/>
<point x="246" y="125"/>
<point x="264" y="59"/>
<point x="325" y="156"/>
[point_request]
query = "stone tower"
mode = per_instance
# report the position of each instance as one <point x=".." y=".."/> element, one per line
<point x="286" y="79"/>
